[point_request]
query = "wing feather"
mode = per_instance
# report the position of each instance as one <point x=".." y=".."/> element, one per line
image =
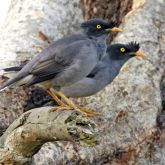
<point x="48" y="67"/>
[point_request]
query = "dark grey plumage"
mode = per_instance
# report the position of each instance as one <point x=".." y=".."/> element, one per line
<point x="67" y="60"/>
<point x="105" y="71"/>
<point x="102" y="75"/>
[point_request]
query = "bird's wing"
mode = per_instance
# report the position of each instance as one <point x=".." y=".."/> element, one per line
<point x="44" y="61"/>
<point x="56" y="54"/>
<point x="47" y="67"/>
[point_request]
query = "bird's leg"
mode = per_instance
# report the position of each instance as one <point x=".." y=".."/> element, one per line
<point x="54" y="96"/>
<point x="73" y="106"/>
<point x="61" y="106"/>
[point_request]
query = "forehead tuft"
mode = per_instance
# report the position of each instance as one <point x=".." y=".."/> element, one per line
<point x="133" y="46"/>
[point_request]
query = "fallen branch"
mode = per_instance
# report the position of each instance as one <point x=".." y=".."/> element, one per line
<point x="34" y="128"/>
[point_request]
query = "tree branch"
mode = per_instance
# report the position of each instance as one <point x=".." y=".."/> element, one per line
<point x="29" y="132"/>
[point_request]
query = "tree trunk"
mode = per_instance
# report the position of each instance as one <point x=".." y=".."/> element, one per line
<point x="130" y="105"/>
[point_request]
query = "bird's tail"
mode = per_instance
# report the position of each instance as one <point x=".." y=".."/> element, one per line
<point x="11" y="73"/>
<point x="16" y="68"/>
<point x="12" y="69"/>
<point x="18" y="77"/>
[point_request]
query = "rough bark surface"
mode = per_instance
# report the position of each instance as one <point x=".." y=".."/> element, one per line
<point x="28" y="133"/>
<point x="109" y="9"/>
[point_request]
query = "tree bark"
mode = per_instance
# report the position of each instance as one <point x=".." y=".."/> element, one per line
<point x="109" y="9"/>
<point x="34" y="128"/>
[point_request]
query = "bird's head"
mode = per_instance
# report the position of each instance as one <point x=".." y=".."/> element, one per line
<point x="98" y="27"/>
<point x="123" y="52"/>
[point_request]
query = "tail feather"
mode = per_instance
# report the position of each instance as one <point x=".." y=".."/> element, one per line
<point x="18" y="77"/>
<point x="16" y="68"/>
<point x="13" y="69"/>
<point x="12" y="81"/>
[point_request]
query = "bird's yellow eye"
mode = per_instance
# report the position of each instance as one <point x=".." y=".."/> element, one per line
<point x="98" y="26"/>
<point x="122" y="50"/>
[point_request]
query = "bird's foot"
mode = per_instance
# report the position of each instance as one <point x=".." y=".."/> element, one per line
<point x="69" y="104"/>
<point x="55" y="97"/>
<point x="82" y="110"/>
<point x="89" y="112"/>
<point x="60" y="108"/>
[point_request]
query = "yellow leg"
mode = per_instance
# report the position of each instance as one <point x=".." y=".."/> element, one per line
<point x="59" y="108"/>
<point x="73" y="106"/>
<point x="58" y="101"/>
<point x="62" y="106"/>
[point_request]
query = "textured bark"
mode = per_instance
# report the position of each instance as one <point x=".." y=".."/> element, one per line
<point x="34" y="128"/>
<point x="109" y="9"/>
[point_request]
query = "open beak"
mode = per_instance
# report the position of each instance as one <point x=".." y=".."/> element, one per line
<point x="115" y="29"/>
<point x="140" y="53"/>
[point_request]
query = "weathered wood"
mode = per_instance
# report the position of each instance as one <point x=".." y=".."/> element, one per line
<point x="34" y="128"/>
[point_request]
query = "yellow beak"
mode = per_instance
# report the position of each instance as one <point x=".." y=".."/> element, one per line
<point x="140" y="53"/>
<point x="115" y="29"/>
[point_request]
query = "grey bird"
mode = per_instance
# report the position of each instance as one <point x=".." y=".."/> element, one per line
<point x="103" y="74"/>
<point x="67" y="60"/>
<point x="105" y="71"/>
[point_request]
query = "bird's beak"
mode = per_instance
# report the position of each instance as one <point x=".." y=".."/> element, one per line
<point x="115" y="29"/>
<point x="140" y="53"/>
